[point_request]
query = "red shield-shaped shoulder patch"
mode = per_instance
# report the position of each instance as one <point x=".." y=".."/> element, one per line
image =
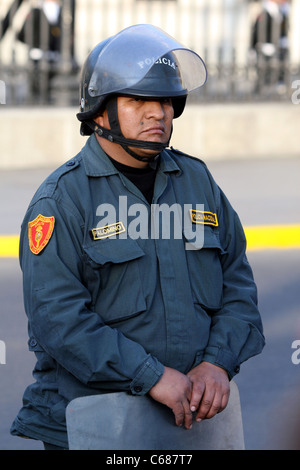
<point x="39" y="232"/>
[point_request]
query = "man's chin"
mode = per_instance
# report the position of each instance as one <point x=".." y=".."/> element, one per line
<point x="145" y="152"/>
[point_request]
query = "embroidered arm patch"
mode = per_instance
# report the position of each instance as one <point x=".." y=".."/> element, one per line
<point x="39" y="232"/>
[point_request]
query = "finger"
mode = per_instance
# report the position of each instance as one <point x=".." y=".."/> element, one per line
<point x="188" y="417"/>
<point x="225" y="400"/>
<point x="215" y="407"/>
<point x="179" y="417"/>
<point x="197" y="394"/>
<point x="209" y="406"/>
<point x="219" y="404"/>
<point x="183" y="415"/>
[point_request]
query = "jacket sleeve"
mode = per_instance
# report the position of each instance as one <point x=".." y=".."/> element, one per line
<point x="236" y="332"/>
<point x="59" y="308"/>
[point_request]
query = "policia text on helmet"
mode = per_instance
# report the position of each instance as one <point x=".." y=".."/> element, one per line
<point x="141" y="61"/>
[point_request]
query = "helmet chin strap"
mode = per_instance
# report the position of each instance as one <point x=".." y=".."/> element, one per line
<point x="114" y="134"/>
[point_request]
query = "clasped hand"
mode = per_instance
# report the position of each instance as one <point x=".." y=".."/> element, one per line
<point x="204" y="390"/>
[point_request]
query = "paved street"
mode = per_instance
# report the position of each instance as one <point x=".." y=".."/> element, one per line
<point x="263" y="192"/>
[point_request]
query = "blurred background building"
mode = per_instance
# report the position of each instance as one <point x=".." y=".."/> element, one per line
<point x="251" y="48"/>
<point x="244" y="123"/>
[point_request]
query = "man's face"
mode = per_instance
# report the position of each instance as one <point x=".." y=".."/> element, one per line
<point x="149" y="120"/>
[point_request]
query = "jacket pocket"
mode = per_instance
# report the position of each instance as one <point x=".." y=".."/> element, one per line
<point x="205" y="269"/>
<point x="116" y="266"/>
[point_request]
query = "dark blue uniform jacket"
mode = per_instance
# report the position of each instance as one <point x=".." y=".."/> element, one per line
<point x="113" y="297"/>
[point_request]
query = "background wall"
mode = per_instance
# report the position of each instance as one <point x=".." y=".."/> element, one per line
<point x="42" y="137"/>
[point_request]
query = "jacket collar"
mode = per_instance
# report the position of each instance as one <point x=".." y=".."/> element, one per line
<point x="97" y="163"/>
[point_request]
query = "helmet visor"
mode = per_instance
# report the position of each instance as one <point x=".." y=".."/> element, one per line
<point x="128" y="57"/>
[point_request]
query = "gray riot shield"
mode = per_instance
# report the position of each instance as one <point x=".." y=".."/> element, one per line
<point x="119" y="421"/>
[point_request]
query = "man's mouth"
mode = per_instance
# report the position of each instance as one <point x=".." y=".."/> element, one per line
<point x="154" y="130"/>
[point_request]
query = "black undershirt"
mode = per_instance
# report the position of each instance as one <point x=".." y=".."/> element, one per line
<point x="142" y="178"/>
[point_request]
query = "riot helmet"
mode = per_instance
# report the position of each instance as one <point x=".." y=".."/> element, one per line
<point x="141" y="61"/>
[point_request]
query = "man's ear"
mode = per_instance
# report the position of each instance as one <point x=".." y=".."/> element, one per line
<point x="99" y="120"/>
<point x="102" y="120"/>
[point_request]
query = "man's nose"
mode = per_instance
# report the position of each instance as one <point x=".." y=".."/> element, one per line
<point x="155" y="109"/>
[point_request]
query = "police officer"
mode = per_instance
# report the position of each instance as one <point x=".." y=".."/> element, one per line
<point x="112" y="303"/>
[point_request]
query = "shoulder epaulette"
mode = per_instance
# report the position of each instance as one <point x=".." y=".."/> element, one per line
<point x="66" y="167"/>
<point x="183" y="154"/>
<point x="47" y="188"/>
